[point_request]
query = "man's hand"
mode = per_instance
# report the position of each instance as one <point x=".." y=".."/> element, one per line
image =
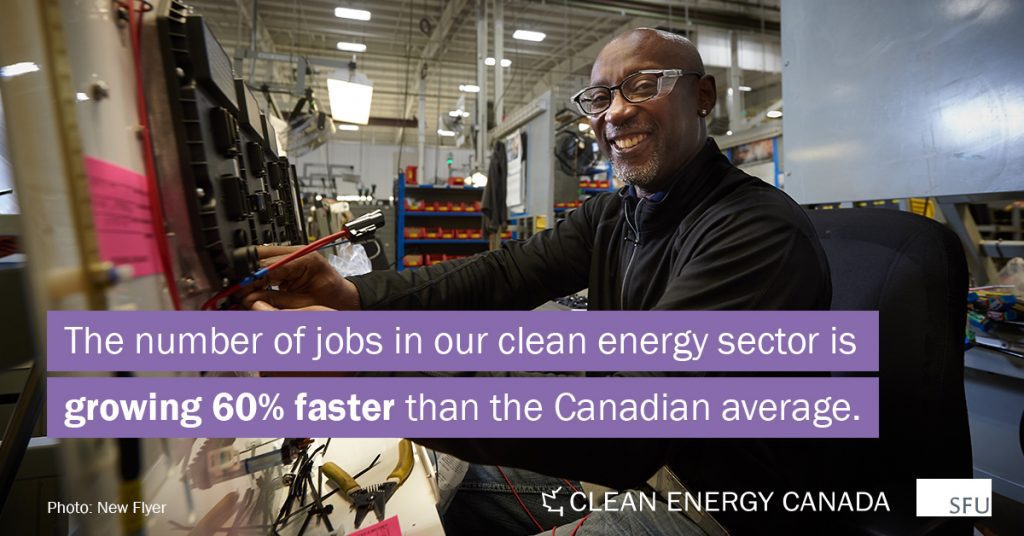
<point x="264" y="306"/>
<point x="303" y="283"/>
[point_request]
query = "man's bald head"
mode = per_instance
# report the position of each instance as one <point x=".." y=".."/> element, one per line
<point x="650" y="142"/>
<point x="676" y="47"/>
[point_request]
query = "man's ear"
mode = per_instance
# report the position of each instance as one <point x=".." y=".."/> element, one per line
<point x="707" y="92"/>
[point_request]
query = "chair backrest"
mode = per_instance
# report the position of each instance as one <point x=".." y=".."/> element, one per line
<point x="913" y="271"/>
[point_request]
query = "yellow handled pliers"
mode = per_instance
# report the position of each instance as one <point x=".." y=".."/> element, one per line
<point x="375" y="496"/>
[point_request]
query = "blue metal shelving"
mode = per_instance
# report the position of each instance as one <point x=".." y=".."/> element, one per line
<point x="442" y="213"/>
<point x="402" y="214"/>
<point x="445" y="241"/>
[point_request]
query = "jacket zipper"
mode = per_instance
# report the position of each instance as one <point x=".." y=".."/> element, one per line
<point x="635" y="227"/>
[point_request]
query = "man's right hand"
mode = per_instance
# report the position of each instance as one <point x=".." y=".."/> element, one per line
<point x="306" y="281"/>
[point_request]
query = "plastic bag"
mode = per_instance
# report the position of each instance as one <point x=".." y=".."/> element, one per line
<point x="1013" y="274"/>
<point x="350" y="260"/>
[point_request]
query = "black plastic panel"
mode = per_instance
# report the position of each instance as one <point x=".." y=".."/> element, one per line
<point x="211" y="66"/>
<point x="227" y="163"/>
<point x="248" y="109"/>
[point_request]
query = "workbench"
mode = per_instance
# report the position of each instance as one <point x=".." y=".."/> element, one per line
<point x="414" y="502"/>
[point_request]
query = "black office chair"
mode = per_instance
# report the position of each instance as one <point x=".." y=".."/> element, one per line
<point x="913" y="271"/>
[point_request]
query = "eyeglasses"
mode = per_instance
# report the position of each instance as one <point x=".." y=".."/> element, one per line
<point x="636" y="88"/>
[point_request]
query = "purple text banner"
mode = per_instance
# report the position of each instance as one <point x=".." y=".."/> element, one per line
<point x="667" y="341"/>
<point x="523" y="407"/>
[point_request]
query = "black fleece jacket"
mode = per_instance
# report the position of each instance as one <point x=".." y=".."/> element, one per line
<point x="718" y="239"/>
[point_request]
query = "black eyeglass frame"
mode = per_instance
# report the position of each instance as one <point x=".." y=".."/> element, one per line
<point x="662" y="74"/>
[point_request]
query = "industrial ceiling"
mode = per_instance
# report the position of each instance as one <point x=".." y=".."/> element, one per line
<point x="405" y="39"/>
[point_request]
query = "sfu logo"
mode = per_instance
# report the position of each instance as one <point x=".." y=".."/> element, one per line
<point x="954" y="497"/>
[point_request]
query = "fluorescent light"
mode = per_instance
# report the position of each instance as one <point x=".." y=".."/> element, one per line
<point x="469" y="88"/>
<point x="504" y="62"/>
<point x="351" y="47"/>
<point x="81" y="97"/>
<point x="728" y="92"/>
<point x="350" y="102"/>
<point x="17" y="69"/>
<point x="446" y="133"/>
<point x="527" y="35"/>
<point x="458" y="113"/>
<point x="744" y="88"/>
<point x="583" y="127"/>
<point x="728" y="133"/>
<point x="348" y="127"/>
<point x="354" y="14"/>
<point x="774" y="114"/>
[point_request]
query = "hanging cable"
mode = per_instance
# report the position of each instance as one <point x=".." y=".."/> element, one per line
<point x="156" y="210"/>
<point x="521" y="503"/>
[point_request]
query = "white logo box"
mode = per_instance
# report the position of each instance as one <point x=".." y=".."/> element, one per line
<point x="954" y="497"/>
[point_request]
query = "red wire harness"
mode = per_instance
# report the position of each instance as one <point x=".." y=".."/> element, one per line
<point x="156" y="211"/>
<point x="313" y="246"/>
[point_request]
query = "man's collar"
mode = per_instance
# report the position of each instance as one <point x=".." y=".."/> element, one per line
<point x="655" y="197"/>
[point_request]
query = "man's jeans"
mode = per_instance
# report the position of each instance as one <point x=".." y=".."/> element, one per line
<point x="485" y="504"/>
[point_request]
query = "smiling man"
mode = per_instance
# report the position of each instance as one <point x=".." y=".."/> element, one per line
<point x="689" y="232"/>
<point x="648" y="144"/>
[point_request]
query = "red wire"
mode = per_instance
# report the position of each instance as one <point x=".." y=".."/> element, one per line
<point x="212" y="302"/>
<point x="516" y="493"/>
<point x="156" y="211"/>
<point x="578" y="525"/>
<point x="566" y="480"/>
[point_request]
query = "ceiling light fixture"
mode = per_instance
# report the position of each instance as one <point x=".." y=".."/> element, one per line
<point x="17" y="69"/>
<point x="744" y="88"/>
<point x="728" y="133"/>
<point x="504" y="62"/>
<point x="445" y="133"/>
<point x="351" y="94"/>
<point x="774" y="114"/>
<point x="469" y="88"/>
<point x="351" y="47"/>
<point x="354" y="14"/>
<point x="527" y="35"/>
<point x="348" y="127"/>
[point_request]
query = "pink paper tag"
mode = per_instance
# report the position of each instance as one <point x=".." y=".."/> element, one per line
<point x="120" y="212"/>
<point x="388" y="527"/>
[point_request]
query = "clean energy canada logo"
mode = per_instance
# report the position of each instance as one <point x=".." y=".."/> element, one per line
<point x="954" y="497"/>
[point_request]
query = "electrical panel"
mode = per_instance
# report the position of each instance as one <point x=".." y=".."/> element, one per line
<point x="235" y="191"/>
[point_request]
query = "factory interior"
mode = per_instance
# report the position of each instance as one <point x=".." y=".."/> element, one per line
<point x="149" y="147"/>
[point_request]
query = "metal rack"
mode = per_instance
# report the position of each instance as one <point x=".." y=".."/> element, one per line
<point x="455" y="194"/>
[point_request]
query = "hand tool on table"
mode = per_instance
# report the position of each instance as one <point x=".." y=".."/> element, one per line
<point x="375" y="496"/>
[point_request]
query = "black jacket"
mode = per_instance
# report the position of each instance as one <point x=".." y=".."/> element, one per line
<point x="718" y="239"/>
<point x="494" y="210"/>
